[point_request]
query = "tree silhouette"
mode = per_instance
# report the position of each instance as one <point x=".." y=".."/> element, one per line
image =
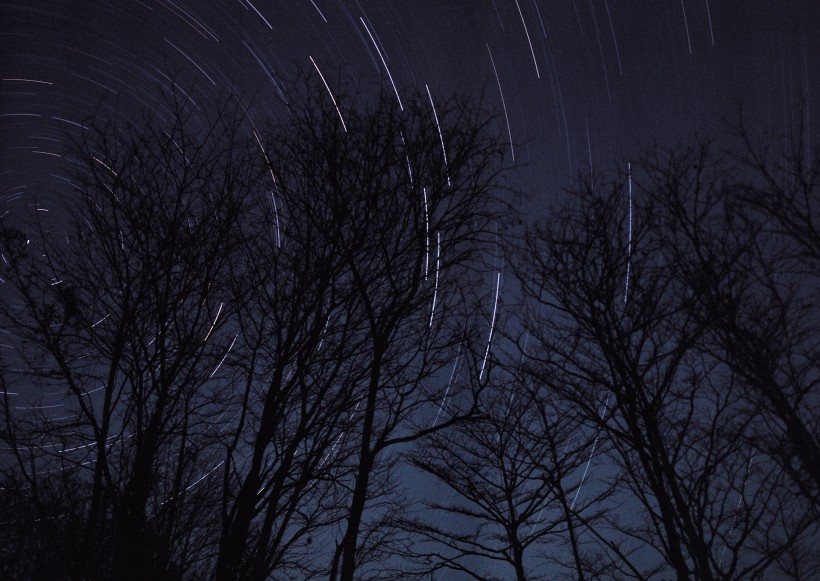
<point x="407" y="196"/>
<point x="639" y="294"/>
<point x="241" y="322"/>
<point x="119" y="314"/>
<point x="229" y="352"/>
<point x="511" y="473"/>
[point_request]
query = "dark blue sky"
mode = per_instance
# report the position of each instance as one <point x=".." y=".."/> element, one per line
<point x="580" y="79"/>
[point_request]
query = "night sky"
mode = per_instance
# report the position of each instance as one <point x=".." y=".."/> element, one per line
<point x="579" y="81"/>
<point x="577" y="84"/>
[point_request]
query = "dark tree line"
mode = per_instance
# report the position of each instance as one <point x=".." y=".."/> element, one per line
<point x="234" y="348"/>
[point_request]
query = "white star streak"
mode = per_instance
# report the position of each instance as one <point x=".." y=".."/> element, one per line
<point x="272" y="194"/>
<point x="686" y="24"/>
<point x="427" y="236"/>
<point x="591" y="453"/>
<point x="629" y="242"/>
<point x="373" y="40"/>
<point x="440" y="136"/>
<point x="221" y="361"/>
<point x="329" y="92"/>
<point x="449" y="384"/>
<point x="492" y="325"/>
<point x="260" y="14"/>
<point x="529" y="40"/>
<point x="503" y="103"/>
<point x="435" y="286"/>
<point x="213" y="325"/>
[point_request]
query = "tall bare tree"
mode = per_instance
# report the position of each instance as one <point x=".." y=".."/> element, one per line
<point x="120" y="319"/>
<point x="511" y="476"/>
<point x="622" y="325"/>
<point x="243" y="321"/>
<point x="767" y="330"/>
<point x="410" y="191"/>
<point x="297" y="362"/>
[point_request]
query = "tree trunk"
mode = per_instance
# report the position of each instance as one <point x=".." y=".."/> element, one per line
<point x="348" y="547"/>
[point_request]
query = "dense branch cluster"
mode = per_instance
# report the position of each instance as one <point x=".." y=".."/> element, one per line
<point x="237" y="344"/>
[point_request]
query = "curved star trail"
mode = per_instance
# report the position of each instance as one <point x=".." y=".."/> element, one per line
<point x="633" y="73"/>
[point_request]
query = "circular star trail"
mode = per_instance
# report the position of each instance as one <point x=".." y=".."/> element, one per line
<point x="578" y="83"/>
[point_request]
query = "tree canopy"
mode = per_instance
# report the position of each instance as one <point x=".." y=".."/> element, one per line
<point x="240" y="349"/>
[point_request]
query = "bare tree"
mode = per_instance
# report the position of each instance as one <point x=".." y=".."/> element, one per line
<point x="408" y="192"/>
<point x="620" y="325"/>
<point x="767" y="329"/>
<point x="119" y="324"/>
<point x="241" y="322"/>
<point x="511" y="475"/>
<point x="296" y="362"/>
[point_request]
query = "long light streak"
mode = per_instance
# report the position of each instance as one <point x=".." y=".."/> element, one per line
<point x="384" y="62"/>
<point x="492" y="325"/>
<point x="213" y="325"/>
<point x="629" y="241"/>
<point x="102" y="163"/>
<point x="342" y="435"/>
<point x="201" y="70"/>
<point x="503" y="102"/>
<point x="64" y="120"/>
<point x="329" y="92"/>
<point x="709" y="18"/>
<point x="614" y="38"/>
<point x="592" y="452"/>
<point x="440" y="135"/>
<point x="221" y="361"/>
<point x="259" y="13"/>
<point x="449" y="384"/>
<point x="529" y="40"/>
<point x="268" y="74"/>
<point x="427" y="235"/>
<point x="435" y="285"/>
<point x="19" y="80"/>
<point x="319" y="11"/>
<point x="272" y="193"/>
<point x="324" y="333"/>
<point x="686" y="24"/>
<point x="407" y="158"/>
<point x="194" y="483"/>
<point x="101" y="320"/>
<point x="609" y="391"/>
<point x="737" y="509"/>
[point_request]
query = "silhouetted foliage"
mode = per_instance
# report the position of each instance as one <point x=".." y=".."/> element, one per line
<point x="116" y="315"/>
<point x="232" y="351"/>
<point x="512" y="475"/>
<point x="237" y="325"/>
<point x="659" y="405"/>
<point x="678" y="309"/>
